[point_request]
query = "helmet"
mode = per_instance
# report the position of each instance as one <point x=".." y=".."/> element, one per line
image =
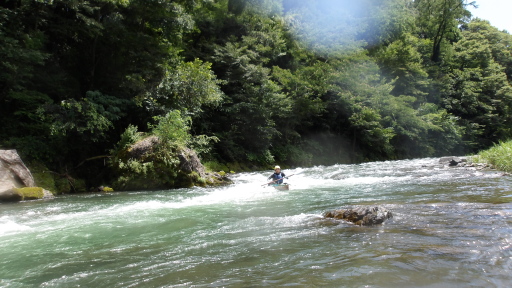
<point x="277" y="167"/>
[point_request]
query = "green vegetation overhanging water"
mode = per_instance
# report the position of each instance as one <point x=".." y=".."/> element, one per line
<point x="249" y="82"/>
<point x="452" y="227"/>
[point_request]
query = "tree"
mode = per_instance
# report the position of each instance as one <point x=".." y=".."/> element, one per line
<point x="21" y="57"/>
<point x="402" y="61"/>
<point x="438" y="20"/>
<point x="476" y="89"/>
<point x="500" y="42"/>
<point x="388" y="21"/>
<point x="357" y="92"/>
<point x="186" y="87"/>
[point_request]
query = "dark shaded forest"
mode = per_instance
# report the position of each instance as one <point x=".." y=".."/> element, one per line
<point x="255" y="82"/>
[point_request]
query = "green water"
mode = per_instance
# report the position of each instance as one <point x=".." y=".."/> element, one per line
<point x="452" y="227"/>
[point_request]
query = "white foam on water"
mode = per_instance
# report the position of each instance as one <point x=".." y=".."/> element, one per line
<point x="249" y="233"/>
<point x="240" y="194"/>
<point x="248" y="188"/>
<point x="8" y="226"/>
<point x="235" y="194"/>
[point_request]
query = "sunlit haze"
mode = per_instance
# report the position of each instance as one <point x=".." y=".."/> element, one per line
<point x="497" y="12"/>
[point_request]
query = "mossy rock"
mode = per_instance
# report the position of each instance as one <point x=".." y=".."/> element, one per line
<point x="216" y="179"/>
<point x="23" y="194"/>
<point x="31" y="193"/>
<point x="155" y="165"/>
<point x="201" y="182"/>
<point x="184" y="180"/>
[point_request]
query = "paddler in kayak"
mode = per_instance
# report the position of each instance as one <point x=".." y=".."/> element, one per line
<point x="277" y="175"/>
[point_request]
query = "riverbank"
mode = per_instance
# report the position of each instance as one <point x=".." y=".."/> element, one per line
<point x="499" y="156"/>
<point x="496" y="158"/>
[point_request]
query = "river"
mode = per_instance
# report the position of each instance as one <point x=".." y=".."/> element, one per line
<point x="452" y="227"/>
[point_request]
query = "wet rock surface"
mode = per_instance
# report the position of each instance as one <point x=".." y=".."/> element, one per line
<point x="363" y="216"/>
<point x="452" y="160"/>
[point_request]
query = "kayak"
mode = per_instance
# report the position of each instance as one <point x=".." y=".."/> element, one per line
<point x="281" y="187"/>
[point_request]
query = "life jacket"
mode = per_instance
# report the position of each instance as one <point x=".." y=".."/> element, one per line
<point x="278" y="176"/>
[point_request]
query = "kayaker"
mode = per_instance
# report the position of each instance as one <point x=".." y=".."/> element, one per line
<point x="277" y="175"/>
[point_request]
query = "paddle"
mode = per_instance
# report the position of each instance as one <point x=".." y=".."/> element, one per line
<point x="286" y="177"/>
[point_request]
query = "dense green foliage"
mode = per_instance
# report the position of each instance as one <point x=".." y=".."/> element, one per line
<point x="152" y="160"/>
<point x="298" y="82"/>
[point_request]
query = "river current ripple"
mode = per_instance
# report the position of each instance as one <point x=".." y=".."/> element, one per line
<point x="452" y="227"/>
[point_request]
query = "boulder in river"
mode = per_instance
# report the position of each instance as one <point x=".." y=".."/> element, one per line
<point x="452" y="160"/>
<point x="363" y="216"/>
<point x="13" y="172"/>
<point x="153" y="163"/>
<point x="24" y="194"/>
<point x="16" y="181"/>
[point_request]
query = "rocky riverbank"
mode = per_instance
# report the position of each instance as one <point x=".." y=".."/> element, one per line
<point x="466" y="162"/>
<point x="16" y="181"/>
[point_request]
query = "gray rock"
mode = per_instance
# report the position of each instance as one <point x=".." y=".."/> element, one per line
<point x="143" y="148"/>
<point x="48" y="194"/>
<point x="363" y="216"/>
<point x="189" y="162"/>
<point x="13" y="172"/>
<point x="10" y="195"/>
<point x="452" y="160"/>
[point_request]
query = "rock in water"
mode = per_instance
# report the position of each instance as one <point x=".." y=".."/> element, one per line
<point x="151" y="164"/>
<point x="10" y="195"/>
<point x="452" y="160"/>
<point x="16" y="181"/>
<point x="189" y="162"/>
<point x="13" y="172"/>
<point x="363" y="216"/>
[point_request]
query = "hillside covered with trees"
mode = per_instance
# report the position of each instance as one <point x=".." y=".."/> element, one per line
<point x="248" y="83"/>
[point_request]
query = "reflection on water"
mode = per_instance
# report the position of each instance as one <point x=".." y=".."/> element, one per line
<point x="452" y="227"/>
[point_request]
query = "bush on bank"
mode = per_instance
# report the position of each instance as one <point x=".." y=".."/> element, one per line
<point x="500" y="156"/>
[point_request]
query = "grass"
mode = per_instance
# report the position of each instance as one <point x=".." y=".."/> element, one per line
<point x="500" y="156"/>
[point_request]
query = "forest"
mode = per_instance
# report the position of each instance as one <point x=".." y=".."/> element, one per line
<point x="246" y="84"/>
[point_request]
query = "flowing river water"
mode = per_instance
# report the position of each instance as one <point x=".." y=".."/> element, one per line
<point x="452" y="227"/>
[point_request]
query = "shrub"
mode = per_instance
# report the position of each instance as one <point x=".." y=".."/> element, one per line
<point x="500" y="156"/>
